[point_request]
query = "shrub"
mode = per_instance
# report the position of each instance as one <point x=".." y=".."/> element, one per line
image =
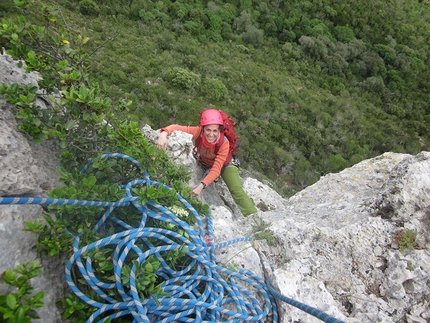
<point x="214" y="88"/>
<point x="181" y="78"/>
<point x="253" y="36"/>
<point x="336" y="163"/>
<point x="266" y="235"/>
<point x="406" y="239"/>
<point x="373" y="84"/>
<point x="89" y="8"/>
<point x="195" y="28"/>
<point x="20" y="306"/>
<point x="343" y="33"/>
<point x="259" y="228"/>
<point x="260" y="225"/>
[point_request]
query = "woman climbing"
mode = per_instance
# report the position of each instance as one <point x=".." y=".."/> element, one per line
<point x="212" y="150"/>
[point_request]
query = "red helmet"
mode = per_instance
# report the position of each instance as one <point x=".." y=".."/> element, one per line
<point x="210" y="116"/>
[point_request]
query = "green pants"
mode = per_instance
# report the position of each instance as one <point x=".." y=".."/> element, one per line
<point x="231" y="177"/>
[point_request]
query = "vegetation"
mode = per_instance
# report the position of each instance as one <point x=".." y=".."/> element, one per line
<point x="406" y="239"/>
<point x="260" y="225"/>
<point x="266" y="235"/>
<point x="316" y="86"/>
<point x="259" y="229"/>
<point x="20" y="306"/>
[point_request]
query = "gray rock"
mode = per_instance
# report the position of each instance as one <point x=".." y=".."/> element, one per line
<point x="26" y="169"/>
<point x="335" y="242"/>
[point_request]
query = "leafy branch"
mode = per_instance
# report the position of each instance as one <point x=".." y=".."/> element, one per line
<point x="20" y="306"/>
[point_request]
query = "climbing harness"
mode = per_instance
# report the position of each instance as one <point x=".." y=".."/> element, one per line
<point x="235" y="161"/>
<point x="202" y="292"/>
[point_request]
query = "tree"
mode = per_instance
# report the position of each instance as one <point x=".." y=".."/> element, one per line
<point x="181" y="78"/>
<point x="242" y="23"/>
<point x="253" y="36"/>
<point x="336" y="163"/>
<point x="89" y="8"/>
<point x="214" y="88"/>
<point x="343" y="33"/>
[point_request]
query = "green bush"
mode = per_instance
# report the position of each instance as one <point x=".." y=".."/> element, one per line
<point x="195" y="28"/>
<point x="89" y="8"/>
<point x="343" y="33"/>
<point x="336" y="163"/>
<point x="253" y="36"/>
<point x="266" y="235"/>
<point x="181" y="78"/>
<point x="406" y="239"/>
<point x="214" y="88"/>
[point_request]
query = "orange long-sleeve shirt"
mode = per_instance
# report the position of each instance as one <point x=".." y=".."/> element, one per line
<point x="209" y="154"/>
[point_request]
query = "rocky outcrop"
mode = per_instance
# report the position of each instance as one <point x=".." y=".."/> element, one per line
<point x="26" y="169"/>
<point x="343" y="235"/>
<point x="341" y="245"/>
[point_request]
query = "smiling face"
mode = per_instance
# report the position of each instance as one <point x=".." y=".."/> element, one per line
<point x="211" y="132"/>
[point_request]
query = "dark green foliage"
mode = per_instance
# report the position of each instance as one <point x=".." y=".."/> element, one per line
<point x="307" y="79"/>
<point x="21" y="306"/>
<point x="88" y="8"/>
<point x="253" y="36"/>
<point x="214" y="89"/>
<point x="7" y="7"/>
<point x="343" y="33"/>
<point x="181" y="78"/>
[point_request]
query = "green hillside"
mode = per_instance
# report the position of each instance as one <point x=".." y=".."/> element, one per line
<point x="315" y="86"/>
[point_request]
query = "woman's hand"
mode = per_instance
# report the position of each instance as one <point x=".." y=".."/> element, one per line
<point x="198" y="190"/>
<point x="162" y="140"/>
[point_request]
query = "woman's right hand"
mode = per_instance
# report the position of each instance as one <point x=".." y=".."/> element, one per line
<point x="197" y="190"/>
<point x="162" y="140"/>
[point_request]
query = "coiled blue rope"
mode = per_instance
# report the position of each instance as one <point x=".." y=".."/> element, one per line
<point x="201" y="292"/>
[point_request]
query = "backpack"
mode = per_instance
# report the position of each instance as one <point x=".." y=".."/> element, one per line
<point x="228" y="133"/>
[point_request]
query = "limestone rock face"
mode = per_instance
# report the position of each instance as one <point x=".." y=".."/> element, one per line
<point x="339" y="245"/>
<point x="342" y="245"/>
<point x="26" y="169"/>
<point x="344" y="232"/>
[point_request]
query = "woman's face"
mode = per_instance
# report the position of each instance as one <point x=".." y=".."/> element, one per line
<point x="211" y="132"/>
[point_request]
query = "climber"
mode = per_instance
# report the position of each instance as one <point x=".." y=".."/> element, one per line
<point x="213" y="153"/>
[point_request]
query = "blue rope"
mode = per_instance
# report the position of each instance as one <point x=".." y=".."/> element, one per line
<point x="306" y="308"/>
<point x="201" y="292"/>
